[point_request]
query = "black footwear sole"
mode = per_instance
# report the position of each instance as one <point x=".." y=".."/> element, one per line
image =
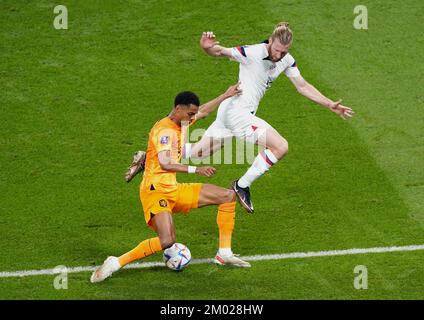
<point x="243" y="204"/>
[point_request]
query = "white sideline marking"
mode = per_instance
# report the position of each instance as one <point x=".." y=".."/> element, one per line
<point x="294" y="255"/>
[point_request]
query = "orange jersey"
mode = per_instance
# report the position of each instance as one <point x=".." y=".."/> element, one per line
<point x="164" y="136"/>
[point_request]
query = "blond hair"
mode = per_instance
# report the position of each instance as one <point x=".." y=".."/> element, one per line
<point x="283" y="33"/>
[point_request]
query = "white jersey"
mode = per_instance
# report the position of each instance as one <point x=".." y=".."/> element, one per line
<point x="236" y="115"/>
<point x="256" y="75"/>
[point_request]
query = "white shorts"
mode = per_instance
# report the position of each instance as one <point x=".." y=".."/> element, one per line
<point x="244" y="125"/>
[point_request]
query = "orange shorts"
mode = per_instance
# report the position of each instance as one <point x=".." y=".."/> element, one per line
<point x="181" y="197"/>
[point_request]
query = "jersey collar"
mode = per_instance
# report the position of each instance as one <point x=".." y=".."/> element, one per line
<point x="267" y="57"/>
<point x="172" y="123"/>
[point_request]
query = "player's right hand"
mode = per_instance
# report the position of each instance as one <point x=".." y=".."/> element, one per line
<point x="233" y="90"/>
<point x="206" y="171"/>
<point x="343" y="111"/>
<point x="207" y="40"/>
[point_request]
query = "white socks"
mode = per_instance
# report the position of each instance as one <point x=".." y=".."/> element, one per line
<point x="114" y="262"/>
<point x="262" y="163"/>
<point x="226" y="252"/>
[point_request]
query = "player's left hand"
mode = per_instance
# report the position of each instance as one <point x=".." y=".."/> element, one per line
<point x="341" y="110"/>
<point x="206" y="171"/>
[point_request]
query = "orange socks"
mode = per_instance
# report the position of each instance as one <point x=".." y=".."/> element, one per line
<point x="225" y="220"/>
<point x="144" y="249"/>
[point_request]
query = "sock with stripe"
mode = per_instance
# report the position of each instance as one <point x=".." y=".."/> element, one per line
<point x="144" y="249"/>
<point x="262" y="163"/>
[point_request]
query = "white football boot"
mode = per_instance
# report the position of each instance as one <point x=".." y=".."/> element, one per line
<point x="108" y="267"/>
<point x="230" y="260"/>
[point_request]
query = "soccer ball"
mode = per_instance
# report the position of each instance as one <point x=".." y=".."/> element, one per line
<point x="177" y="256"/>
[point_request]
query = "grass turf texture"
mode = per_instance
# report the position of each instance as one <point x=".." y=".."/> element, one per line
<point x="77" y="103"/>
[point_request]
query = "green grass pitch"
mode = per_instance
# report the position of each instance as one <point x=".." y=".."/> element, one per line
<point x="75" y="104"/>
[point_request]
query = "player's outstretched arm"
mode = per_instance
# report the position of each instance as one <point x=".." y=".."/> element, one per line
<point x="168" y="164"/>
<point x="310" y="92"/>
<point x="209" y="44"/>
<point x="210" y="106"/>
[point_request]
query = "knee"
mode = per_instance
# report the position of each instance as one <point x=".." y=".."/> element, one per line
<point x="167" y="241"/>
<point x="229" y="196"/>
<point x="281" y="149"/>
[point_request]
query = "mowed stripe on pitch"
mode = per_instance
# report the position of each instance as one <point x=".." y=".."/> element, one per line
<point x="294" y="255"/>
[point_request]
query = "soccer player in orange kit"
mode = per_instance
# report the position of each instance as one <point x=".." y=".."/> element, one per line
<point x="161" y="195"/>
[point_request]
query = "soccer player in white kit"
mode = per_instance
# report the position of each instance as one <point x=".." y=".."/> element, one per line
<point x="260" y="65"/>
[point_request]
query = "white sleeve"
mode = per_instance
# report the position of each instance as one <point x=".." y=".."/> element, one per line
<point x="246" y="54"/>
<point x="239" y="54"/>
<point x="291" y="70"/>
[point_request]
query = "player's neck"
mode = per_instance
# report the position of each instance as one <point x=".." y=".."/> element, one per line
<point x="172" y="117"/>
